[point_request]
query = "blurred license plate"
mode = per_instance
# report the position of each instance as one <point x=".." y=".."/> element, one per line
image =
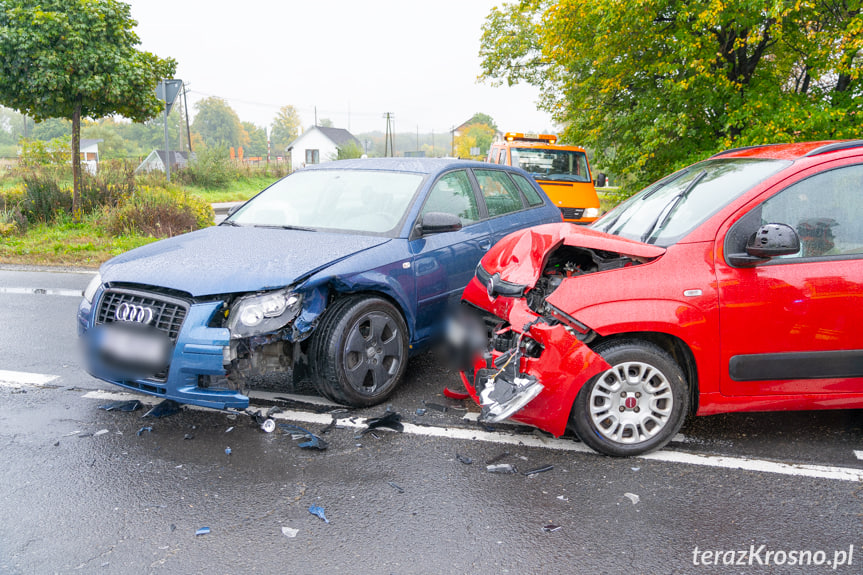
<point x="142" y="349"/>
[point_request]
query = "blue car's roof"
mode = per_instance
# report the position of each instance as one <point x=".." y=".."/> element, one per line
<point x="415" y="165"/>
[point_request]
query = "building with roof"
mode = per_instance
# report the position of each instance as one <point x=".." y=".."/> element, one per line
<point x="318" y="144"/>
<point x="156" y="161"/>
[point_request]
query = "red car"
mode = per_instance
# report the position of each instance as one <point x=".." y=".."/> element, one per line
<point x="735" y="284"/>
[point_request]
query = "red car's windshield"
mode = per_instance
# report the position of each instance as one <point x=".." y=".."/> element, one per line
<point x="668" y="210"/>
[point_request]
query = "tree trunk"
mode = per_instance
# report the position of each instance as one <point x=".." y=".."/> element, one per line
<point x="76" y="162"/>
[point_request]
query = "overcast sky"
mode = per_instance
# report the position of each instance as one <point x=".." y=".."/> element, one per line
<point x="354" y="60"/>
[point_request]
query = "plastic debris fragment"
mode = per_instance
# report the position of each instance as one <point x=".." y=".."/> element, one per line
<point x="542" y="469"/>
<point x="563" y="498"/>
<point x="268" y="426"/>
<point x="314" y="441"/>
<point x="396" y="487"/>
<point x="289" y="532"/>
<point x="100" y="432"/>
<point x="635" y="468"/>
<point x="632" y="497"/>
<point x="229" y="430"/>
<point x="130" y="405"/>
<point x="497" y="458"/>
<point x="319" y="512"/>
<point x="437" y="407"/>
<point x="447" y="392"/>
<point x="164" y="409"/>
<point x="421" y="411"/>
<point x="148" y="429"/>
<point x="202" y="531"/>
<point x="189" y="436"/>
<point x="227" y="451"/>
<point x="391" y="420"/>
<point x="551" y="528"/>
<point x="501" y="468"/>
<point x="464" y="459"/>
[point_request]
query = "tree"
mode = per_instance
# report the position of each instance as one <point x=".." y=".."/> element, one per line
<point x="480" y="118"/>
<point x="325" y="123"/>
<point x="75" y="59"/>
<point x="285" y="129"/>
<point x="218" y="123"/>
<point x="348" y="151"/>
<point x="474" y="136"/>
<point x="257" y="138"/>
<point x="657" y="85"/>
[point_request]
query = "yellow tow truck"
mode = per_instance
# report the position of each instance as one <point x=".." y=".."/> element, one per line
<point x="562" y="171"/>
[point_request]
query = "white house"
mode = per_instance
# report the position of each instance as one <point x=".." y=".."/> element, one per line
<point x="89" y="154"/>
<point x="317" y="145"/>
<point x="156" y="161"/>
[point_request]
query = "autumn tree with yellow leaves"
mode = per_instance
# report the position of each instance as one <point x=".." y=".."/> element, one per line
<point x="653" y="85"/>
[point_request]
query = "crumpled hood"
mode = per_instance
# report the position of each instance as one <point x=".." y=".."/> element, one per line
<point x="519" y="257"/>
<point x="227" y="259"/>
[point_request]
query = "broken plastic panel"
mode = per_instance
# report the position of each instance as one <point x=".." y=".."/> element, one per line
<point x="391" y="420"/>
<point x="455" y="394"/>
<point x="318" y="511"/>
<point x="130" y="405"/>
<point x="507" y="468"/>
<point x="503" y="390"/>
<point x="314" y="441"/>
<point x="164" y="409"/>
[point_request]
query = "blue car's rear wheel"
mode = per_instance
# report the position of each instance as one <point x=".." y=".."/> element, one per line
<point x="359" y="352"/>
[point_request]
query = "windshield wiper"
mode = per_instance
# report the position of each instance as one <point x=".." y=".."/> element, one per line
<point x="275" y="227"/>
<point x="666" y="212"/>
<point x="230" y="223"/>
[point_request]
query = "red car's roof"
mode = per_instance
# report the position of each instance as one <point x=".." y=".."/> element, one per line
<point x="787" y="151"/>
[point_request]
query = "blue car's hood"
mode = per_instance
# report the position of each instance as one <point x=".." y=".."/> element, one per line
<point x="226" y="259"/>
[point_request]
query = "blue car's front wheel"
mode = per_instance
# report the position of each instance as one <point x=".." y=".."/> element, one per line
<point x="359" y="352"/>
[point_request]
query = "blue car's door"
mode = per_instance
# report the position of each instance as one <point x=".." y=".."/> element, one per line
<point x="444" y="263"/>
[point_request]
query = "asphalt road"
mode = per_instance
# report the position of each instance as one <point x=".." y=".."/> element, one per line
<point x="84" y="490"/>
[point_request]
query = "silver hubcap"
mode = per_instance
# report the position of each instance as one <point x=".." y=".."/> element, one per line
<point x="373" y="352"/>
<point x="631" y="402"/>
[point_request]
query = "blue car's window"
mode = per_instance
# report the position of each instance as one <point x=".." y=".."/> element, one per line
<point x="351" y="200"/>
<point x="453" y="194"/>
<point x="528" y="190"/>
<point x="500" y="193"/>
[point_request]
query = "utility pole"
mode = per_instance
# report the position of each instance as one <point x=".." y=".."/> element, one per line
<point x="186" y="110"/>
<point x="389" y="150"/>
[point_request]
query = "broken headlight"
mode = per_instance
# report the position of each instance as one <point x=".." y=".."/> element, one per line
<point x="263" y="313"/>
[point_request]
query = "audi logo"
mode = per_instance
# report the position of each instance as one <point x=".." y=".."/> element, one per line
<point x="135" y="313"/>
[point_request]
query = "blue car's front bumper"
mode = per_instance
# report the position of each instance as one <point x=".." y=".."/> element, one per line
<point x="198" y="351"/>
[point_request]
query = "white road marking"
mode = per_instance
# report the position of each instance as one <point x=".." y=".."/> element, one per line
<point x="19" y="379"/>
<point x="42" y="291"/>
<point x="858" y="454"/>
<point x="505" y="438"/>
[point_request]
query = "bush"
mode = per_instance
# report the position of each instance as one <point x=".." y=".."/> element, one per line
<point x="157" y="212"/>
<point x="12" y="221"/>
<point x="56" y="152"/>
<point x="44" y="197"/>
<point x="209" y="169"/>
<point x="114" y="183"/>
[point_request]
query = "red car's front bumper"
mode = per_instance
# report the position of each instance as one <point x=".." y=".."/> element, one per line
<point x="563" y="366"/>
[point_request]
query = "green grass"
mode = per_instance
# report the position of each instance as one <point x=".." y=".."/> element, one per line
<point x="66" y="244"/>
<point x="241" y="190"/>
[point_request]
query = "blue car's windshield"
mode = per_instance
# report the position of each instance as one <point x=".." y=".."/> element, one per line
<point x="365" y="201"/>
<point x="668" y="210"/>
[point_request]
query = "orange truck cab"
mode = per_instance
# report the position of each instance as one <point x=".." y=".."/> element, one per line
<point x="562" y="171"/>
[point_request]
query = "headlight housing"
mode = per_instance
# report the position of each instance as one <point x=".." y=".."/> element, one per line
<point x="263" y="313"/>
<point x="90" y="291"/>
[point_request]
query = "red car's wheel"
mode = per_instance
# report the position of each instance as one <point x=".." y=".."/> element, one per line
<point x="636" y="406"/>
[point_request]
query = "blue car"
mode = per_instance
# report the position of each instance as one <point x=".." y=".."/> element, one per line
<point x="337" y="273"/>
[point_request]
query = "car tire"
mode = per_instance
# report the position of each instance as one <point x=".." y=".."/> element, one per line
<point x="635" y="407"/>
<point x="359" y="351"/>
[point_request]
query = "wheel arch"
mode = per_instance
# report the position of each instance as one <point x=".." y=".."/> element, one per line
<point x="677" y="348"/>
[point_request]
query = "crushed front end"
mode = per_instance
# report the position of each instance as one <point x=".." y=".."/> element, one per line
<point x="204" y="351"/>
<point x="535" y="357"/>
